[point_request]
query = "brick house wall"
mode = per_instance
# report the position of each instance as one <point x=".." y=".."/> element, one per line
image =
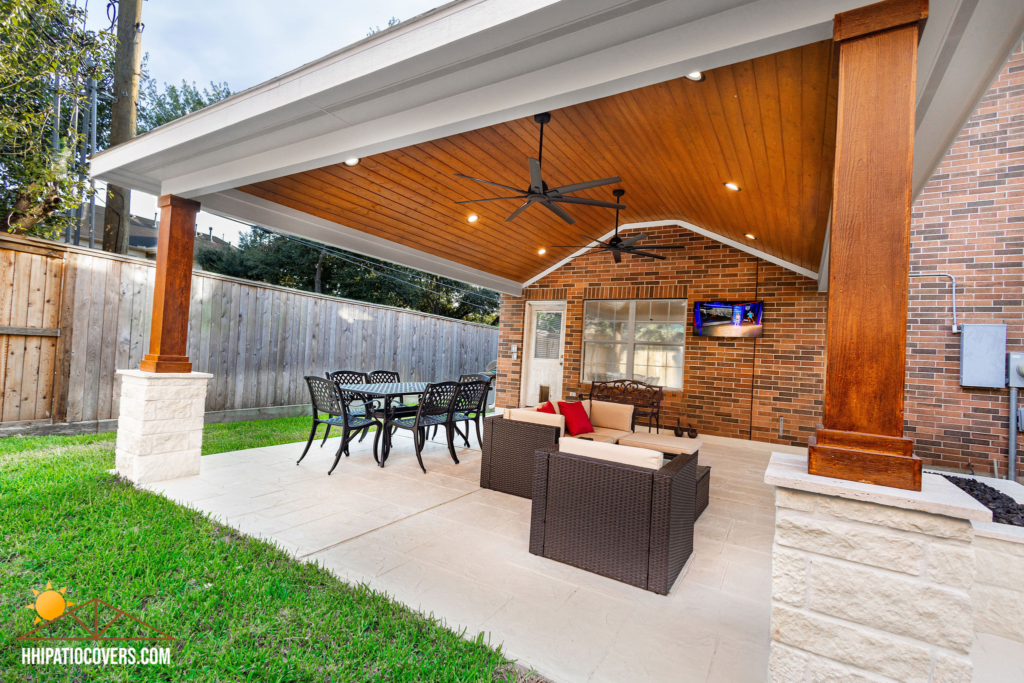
<point x="969" y="221"/>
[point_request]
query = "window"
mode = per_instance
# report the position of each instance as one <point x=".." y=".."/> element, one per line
<point x="641" y="340"/>
<point x="547" y="340"/>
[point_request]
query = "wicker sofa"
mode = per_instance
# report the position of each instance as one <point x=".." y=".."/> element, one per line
<point x="629" y="522"/>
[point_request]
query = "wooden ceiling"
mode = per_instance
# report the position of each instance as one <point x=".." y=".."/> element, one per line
<point x="767" y="125"/>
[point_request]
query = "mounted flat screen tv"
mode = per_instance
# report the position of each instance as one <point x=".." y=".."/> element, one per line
<point x="727" y="319"/>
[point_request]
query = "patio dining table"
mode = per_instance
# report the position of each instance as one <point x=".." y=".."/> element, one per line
<point x="386" y="391"/>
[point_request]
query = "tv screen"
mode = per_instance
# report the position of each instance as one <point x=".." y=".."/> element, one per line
<point x="727" y="319"/>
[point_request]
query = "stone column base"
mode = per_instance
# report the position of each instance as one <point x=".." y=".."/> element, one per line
<point x="870" y="583"/>
<point x="160" y="427"/>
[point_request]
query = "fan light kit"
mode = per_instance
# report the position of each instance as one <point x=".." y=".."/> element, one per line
<point x="473" y="218"/>
<point x="351" y="162"/>
<point x="750" y="237"/>
<point x="538" y="192"/>
<point x="696" y="76"/>
<point x="618" y="246"/>
<point x="542" y="251"/>
<point x="732" y="186"/>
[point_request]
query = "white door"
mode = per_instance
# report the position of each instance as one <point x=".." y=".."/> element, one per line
<point x="542" y="357"/>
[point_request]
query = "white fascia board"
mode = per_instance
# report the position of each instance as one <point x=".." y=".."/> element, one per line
<point x="751" y="30"/>
<point x="246" y="208"/>
<point x="686" y="226"/>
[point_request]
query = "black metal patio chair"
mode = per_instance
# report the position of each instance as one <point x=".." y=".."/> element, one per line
<point x="434" y="409"/>
<point x="469" y="405"/>
<point x="473" y="377"/>
<point x="327" y="398"/>
<point x="348" y="377"/>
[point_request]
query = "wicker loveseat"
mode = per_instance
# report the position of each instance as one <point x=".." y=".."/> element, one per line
<point x="631" y="523"/>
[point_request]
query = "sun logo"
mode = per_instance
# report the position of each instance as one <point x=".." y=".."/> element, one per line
<point x="49" y="604"/>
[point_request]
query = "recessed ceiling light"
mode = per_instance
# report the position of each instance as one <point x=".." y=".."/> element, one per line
<point x="542" y="251"/>
<point x="473" y="218"/>
<point x="696" y="76"/>
<point x="750" y="237"/>
<point x="732" y="186"/>
<point x="351" y="162"/>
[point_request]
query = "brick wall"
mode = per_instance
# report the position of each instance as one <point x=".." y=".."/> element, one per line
<point x="968" y="221"/>
<point x="784" y="368"/>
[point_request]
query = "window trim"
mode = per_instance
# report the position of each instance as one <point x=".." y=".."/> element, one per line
<point x="631" y="341"/>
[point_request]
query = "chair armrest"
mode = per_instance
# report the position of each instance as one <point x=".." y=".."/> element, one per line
<point x="672" y="517"/>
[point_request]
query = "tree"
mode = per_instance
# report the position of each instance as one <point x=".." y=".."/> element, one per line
<point x="39" y="41"/>
<point x="157" y="108"/>
<point x="279" y="260"/>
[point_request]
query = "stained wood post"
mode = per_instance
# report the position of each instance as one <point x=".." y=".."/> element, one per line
<point x="168" y="340"/>
<point x="862" y="436"/>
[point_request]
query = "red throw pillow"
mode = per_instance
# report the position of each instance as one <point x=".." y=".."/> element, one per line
<point x="576" y="419"/>
<point x="546" y="408"/>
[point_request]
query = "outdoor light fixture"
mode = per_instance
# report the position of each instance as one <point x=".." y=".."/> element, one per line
<point x="351" y="162"/>
<point x="696" y="76"/>
<point x="473" y="218"/>
<point x="750" y="237"/>
<point x="732" y="186"/>
<point x="542" y="251"/>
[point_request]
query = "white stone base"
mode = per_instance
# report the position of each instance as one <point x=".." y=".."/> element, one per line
<point x="870" y="583"/>
<point x="160" y="428"/>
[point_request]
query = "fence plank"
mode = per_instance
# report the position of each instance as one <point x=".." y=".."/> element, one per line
<point x="33" y="345"/>
<point x="108" y="347"/>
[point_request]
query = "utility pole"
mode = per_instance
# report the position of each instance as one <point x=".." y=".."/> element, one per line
<point x="319" y="263"/>
<point x="127" y="68"/>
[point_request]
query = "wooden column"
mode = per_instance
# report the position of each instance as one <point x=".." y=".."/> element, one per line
<point x="862" y="436"/>
<point x="173" y="291"/>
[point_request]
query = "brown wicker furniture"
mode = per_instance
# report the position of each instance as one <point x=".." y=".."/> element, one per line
<point x="629" y="523"/>
<point x="645" y="398"/>
<point x="508" y="451"/>
<point x="703" y="490"/>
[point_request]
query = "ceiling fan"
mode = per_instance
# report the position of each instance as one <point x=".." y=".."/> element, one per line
<point x="539" y="193"/>
<point x="618" y="246"/>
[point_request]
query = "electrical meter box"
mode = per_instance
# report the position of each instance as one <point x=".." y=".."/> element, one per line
<point x="983" y="356"/>
<point x="1015" y="369"/>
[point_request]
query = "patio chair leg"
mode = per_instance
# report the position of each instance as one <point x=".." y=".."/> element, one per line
<point x="449" y="432"/>
<point x="419" y="458"/>
<point x="337" y="457"/>
<point x="376" y="439"/>
<point x="312" y="434"/>
<point x="366" y="430"/>
<point x="479" y="438"/>
<point x="465" y="437"/>
<point x="325" y="435"/>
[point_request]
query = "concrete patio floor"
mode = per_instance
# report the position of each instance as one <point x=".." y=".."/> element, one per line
<point x="442" y="545"/>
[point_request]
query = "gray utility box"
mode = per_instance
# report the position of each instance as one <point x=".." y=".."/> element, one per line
<point x="1015" y="369"/>
<point x="983" y="356"/>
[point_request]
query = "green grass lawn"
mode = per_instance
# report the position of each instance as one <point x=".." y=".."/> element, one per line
<point x="240" y="609"/>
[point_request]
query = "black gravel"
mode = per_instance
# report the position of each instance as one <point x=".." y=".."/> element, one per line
<point x="1005" y="510"/>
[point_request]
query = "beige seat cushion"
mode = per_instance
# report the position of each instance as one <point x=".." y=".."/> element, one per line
<point x="641" y="457"/>
<point x="615" y="434"/>
<point x="532" y="416"/>
<point x="593" y="436"/>
<point x="611" y="415"/>
<point x="666" y="443"/>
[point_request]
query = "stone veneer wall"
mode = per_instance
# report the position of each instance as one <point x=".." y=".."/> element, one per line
<point x="968" y="221"/>
<point x="731" y="387"/>
<point x="998" y="591"/>
<point x="860" y="588"/>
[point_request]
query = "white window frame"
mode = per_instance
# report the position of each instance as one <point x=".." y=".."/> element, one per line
<point x="631" y="341"/>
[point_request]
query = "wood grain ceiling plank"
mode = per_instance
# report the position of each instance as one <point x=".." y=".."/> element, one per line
<point x="770" y="114"/>
<point x="815" y="67"/>
<point x="789" y="68"/>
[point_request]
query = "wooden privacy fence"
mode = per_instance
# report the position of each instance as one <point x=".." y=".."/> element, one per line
<point x="70" y="317"/>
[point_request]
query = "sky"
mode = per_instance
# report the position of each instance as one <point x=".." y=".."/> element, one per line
<point x="244" y="43"/>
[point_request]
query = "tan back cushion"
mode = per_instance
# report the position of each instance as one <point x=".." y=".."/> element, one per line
<point x="531" y="415"/>
<point x="641" y="457"/>
<point x="611" y="415"/>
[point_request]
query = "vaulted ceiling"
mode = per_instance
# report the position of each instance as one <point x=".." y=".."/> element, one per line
<point x="767" y="125"/>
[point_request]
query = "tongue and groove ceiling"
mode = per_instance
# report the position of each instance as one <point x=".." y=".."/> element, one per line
<point x="767" y="124"/>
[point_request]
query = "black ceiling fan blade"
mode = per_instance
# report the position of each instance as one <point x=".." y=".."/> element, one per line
<point x="644" y="253"/>
<point x="566" y="189"/>
<point x="617" y="255"/>
<point x="575" y="246"/>
<point x="560" y="212"/>
<point x="525" y="205"/>
<point x="588" y="202"/>
<point x="536" y="180"/>
<point x="634" y="238"/>
<point x="663" y="246"/>
<point x="488" y="182"/>
<point x="592" y="239"/>
<point x="489" y="199"/>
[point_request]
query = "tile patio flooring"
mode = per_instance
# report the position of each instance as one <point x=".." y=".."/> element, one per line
<point x="441" y="544"/>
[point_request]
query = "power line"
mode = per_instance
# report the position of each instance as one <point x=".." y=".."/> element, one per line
<point x="373" y="266"/>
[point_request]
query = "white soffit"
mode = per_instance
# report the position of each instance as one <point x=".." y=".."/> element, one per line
<point x="254" y="210"/>
<point x="746" y="248"/>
